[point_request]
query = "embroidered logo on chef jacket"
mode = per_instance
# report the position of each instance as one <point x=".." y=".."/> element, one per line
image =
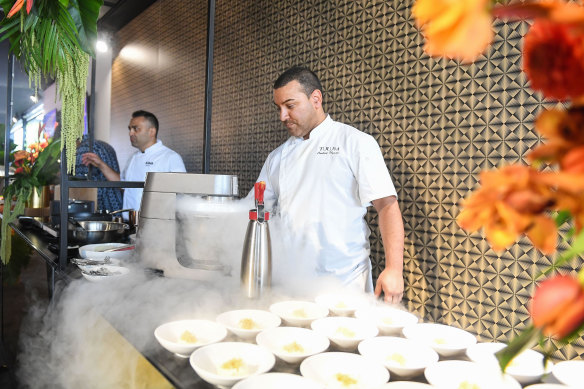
<point x="148" y="163"/>
<point x="328" y="150"/>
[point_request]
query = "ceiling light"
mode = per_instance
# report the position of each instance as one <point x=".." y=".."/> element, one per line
<point x="101" y="46"/>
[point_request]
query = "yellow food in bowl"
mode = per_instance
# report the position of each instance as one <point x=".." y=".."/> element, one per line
<point x="387" y="321"/>
<point x="233" y="367"/>
<point x="341" y="305"/>
<point x="468" y="385"/>
<point x="345" y="379"/>
<point x="187" y="337"/>
<point x="293" y="348"/>
<point x="344" y="331"/>
<point x="440" y="341"/>
<point x="398" y="358"/>
<point x="247" y="324"/>
<point x="300" y="313"/>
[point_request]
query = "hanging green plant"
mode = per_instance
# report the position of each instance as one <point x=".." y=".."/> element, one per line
<point x="51" y="39"/>
<point x="54" y="39"/>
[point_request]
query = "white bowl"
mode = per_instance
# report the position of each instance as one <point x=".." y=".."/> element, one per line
<point x="549" y="386"/>
<point x="84" y="264"/>
<point x="405" y="358"/>
<point x="405" y="385"/>
<point x="344" y="370"/>
<point x="342" y="304"/>
<point x="445" y="340"/>
<point x="228" y="362"/>
<point x="292" y="344"/>
<point x="389" y="320"/>
<point x="247" y="323"/>
<point x="277" y="381"/>
<point x="101" y="273"/>
<point x="569" y="373"/>
<point x="345" y="332"/>
<point x="97" y="251"/>
<point x="526" y="367"/>
<point x="182" y="337"/>
<point x="298" y="313"/>
<point x="455" y="374"/>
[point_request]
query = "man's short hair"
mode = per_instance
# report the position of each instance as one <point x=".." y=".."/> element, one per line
<point x="148" y="116"/>
<point x="305" y="77"/>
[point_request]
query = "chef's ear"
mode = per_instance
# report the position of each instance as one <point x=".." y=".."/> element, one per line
<point x="152" y="132"/>
<point x="316" y="98"/>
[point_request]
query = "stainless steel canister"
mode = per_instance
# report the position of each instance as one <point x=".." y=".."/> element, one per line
<point x="256" y="260"/>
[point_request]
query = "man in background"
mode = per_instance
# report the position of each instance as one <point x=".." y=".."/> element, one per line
<point x="151" y="156"/>
<point x="108" y="199"/>
<point x="320" y="183"/>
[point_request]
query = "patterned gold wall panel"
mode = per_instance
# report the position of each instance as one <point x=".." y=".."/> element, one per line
<point x="161" y="68"/>
<point x="439" y="124"/>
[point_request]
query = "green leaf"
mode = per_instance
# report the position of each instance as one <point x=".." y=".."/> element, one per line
<point x="577" y="248"/>
<point x="562" y="217"/>
<point x="85" y="14"/>
<point x="528" y="338"/>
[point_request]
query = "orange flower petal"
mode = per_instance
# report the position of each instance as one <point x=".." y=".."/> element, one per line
<point x="15" y="8"/>
<point x="499" y="238"/>
<point x="543" y="234"/>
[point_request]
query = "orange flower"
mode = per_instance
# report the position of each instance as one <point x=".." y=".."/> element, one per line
<point x="448" y="24"/>
<point x="558" y="306"/>
<point x="553" y="59"/>
<point x="573" y="161"/>
<point x="20" y="154"/>
<point x="564" y="131"/>
<point x="510" y="202"/>
<point x="18" y="5"/>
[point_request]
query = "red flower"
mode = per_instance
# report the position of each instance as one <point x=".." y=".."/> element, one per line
<point x="553" y="59"/>
<point x="554" y="10"/>
<point x="558" y="306"/>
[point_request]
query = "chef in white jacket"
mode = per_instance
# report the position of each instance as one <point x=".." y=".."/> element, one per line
<point x="320" y="183"/>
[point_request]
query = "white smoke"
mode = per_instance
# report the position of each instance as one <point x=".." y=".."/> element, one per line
<point x="74" y="343"/>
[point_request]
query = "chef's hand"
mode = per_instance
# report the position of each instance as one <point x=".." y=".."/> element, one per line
<point x="391" y="282"/>
<point x="91" y="159"/>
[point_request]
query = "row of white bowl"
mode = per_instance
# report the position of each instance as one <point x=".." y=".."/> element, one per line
<point x="403" y="357"/>
<point x="214" y="364"/>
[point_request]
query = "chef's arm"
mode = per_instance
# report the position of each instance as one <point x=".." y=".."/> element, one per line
<point x="94" y="160"/>
<point x="391" y="226"/>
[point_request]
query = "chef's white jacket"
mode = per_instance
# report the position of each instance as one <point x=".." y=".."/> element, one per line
<point x="156" y="158"/>
<point x="320" y="188"/>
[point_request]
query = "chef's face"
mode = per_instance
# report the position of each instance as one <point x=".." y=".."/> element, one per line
<point x="142" y="134"/>
<point x="299" y="113"/>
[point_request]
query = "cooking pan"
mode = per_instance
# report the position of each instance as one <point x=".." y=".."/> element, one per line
<point x="80" y="216"/>
<point x="95" y="231"/>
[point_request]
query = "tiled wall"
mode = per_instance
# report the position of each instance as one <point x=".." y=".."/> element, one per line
<point x="438" y="124"/>
<point x="160" y="67"/>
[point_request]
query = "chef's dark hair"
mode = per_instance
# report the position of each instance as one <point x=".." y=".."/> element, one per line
<point x="304" y="76"/>
<point x="148" y="116"/>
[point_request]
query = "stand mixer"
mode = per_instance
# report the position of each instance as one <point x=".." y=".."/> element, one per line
<point x="171" y="240"/>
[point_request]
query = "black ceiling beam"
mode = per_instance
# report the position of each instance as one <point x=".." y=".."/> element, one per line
<point x="121" y="14"/>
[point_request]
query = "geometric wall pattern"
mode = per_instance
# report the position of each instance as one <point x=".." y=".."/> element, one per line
<point x="439" y="124"/>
